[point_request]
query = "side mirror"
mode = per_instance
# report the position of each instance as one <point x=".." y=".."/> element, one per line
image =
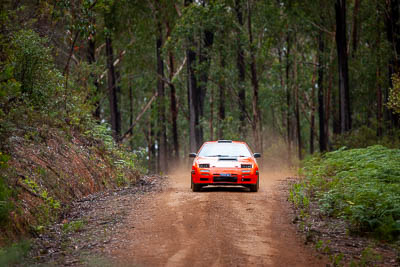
<point x="192" y="155"/>
<point x="257" y="155"/>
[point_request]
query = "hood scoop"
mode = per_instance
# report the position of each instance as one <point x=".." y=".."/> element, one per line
<point x="227" y="159"/>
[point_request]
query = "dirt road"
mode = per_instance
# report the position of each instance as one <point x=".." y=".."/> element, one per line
<point x="223" y="226"/>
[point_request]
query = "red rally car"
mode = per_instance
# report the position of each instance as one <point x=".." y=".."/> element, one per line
<point x="225" y="162"/>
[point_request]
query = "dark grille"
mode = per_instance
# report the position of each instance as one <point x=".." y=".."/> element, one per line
<point x="247" y="166"/>
<point x="228" y="179"/>
<point x="204" y="165"/>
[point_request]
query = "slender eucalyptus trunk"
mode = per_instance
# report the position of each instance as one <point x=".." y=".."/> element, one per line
<point x="254" y="82"/>
<point x="174" y="109"/>
<point x="131" y="108"/>
<point x="241" y="69"/>
<point x="92" y="60"/>
<point x="321" y="104"/>
<point x="112" y="91"/>
<point x="355" y="30"/>
<point x="221" y="107"/>
<point x="211" y="122"/>
<point x="392" y="20"/>
<point x="341" y="44"/>
<point x="162" y="131"/>
<point x="288" y="99"/>
<point x="195" y="94"/>
<point x="297" y="110"/>
<point x="173" y="102"/>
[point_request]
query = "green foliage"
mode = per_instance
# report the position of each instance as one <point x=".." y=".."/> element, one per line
<point x="14" y="254"/>
<point x="394" y="94"/>
<point x="365" y="136"/>
<point x="50" y="207"/>
<point x="5" y="204"/>
<point x="368" y="257"/>
<point x="102" y="132"/>
<point x="33" y="69"/>
<point x="32" y="89"/>
<point x="119" y="156"/>
<point x="361" y="186"/>
<point x="74" y="226"/>
<point x="5" y="192"/>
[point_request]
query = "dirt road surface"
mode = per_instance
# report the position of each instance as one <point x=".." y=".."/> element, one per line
<point x="220" y="226"/>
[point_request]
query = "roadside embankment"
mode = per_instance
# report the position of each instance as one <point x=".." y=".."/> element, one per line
<point x="45" y="168"/>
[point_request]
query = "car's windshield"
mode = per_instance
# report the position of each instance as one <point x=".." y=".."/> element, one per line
<point x="224" y="150"/>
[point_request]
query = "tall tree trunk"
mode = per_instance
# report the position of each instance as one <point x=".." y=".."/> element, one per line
<point x="379" y="106"/>
<point x="312" y="123"/>
<point x="212" y="114"/>
<point x="131" y="107"/>
<point x="312" y="119"/>
<point x="297" y="109"/>
<point x="321" y="106"/>
<point x="331" y="102"/>
<point x="282" y="81"/>
<point x="288" y="98"/>
<point x="112" y="91"/>
<point x="162" y="131"/>
<point x="92" y="60"/>
<point x="341" y="44"/>
<point x="174" y="109"/>
<point x="173" y="103"/>
<point x="205" y="62"/>
<point x="241" y="70"/>
<point x="193" y="95"/>
<point x="355" y="29"/>
<point x="254" y="82"/>
<point x="221" y="107"/>
<point x="392" y="20"/>
<point x="193" y="100"/>
<point x="152" y="147"/>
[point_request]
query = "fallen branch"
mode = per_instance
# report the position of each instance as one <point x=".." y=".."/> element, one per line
<point x="169" y="82"/>
<point x="71" y="51"/>
<point x="116" y="62"/>
<point x="128" y="133"/>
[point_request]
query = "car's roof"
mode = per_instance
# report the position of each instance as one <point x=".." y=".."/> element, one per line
<point x="225" y="141"/>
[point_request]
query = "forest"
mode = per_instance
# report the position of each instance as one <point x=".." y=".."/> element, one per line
<point x="167" y="75"/>
<point x="140" y="84"/>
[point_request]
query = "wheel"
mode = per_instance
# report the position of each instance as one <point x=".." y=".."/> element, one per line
<point x="254" y="187"/>
<point x="195" y="187"/>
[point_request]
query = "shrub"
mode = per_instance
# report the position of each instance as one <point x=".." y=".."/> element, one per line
<point x="34" y="69"/>
<point x="361" y="186"/>
<point x="13" y="255"/>
<point x="5" y="192"/>
<point x="394" y="94"/>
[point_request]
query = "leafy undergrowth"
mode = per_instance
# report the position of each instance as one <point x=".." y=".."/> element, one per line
<point x="354" y="194"/>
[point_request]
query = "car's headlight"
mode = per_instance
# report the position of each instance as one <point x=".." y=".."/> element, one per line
<point x="204" y="165"/>
<point x="246" y="166"/>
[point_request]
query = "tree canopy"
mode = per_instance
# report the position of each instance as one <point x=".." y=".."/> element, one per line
<point x="290" y="77"/>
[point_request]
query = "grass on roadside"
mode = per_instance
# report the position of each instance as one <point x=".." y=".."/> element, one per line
<point x="14" y="254"/>
<point x="361" y="186"/>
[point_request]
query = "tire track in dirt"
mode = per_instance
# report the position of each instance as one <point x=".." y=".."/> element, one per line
<point x="220" y="226"/>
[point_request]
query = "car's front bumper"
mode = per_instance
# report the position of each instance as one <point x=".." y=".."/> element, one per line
<point x="225" y="176"/>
